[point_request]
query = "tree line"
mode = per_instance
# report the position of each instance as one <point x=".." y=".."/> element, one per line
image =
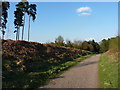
<point x="90" y="45"/>
<point x="23" y="9"/>
<point x="110" y="44"/>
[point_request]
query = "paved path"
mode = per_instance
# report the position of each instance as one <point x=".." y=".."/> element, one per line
<point x="83" y="75"/>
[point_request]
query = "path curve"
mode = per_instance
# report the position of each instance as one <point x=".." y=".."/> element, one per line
<point x="83" y="75"/>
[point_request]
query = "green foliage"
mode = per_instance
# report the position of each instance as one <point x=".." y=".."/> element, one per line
<point x="32" y="11"/>
<point x="18" y="18"/>
<point x="85" y="45"/>
<point x="59" y="41"/>
<point x="111" y="43"/>
<point x="104" y="45"/>
<point x="5" y="7"/>
<point x="91" y="46"/>
<point x="95" y="46"/>
<point x="18" y="21"/>
<point x="24" y="7"/>
<point x="77" y="44"/>
<point x="69" y="43"/>
<point x="108" y="72"/>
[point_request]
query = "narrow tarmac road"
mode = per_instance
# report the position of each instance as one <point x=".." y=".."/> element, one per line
<point x="83" y="75"/>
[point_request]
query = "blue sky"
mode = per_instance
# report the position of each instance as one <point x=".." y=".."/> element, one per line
<point x="72" y="20"/>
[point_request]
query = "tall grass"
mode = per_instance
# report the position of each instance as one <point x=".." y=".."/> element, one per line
<point x="108" y="72"/>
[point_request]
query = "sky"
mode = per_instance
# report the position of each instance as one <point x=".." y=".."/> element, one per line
<point x="72" y="20"/>
<point x="67" y="0"/>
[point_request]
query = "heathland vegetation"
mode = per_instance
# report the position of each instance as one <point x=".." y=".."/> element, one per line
<point x="31" y="64"/>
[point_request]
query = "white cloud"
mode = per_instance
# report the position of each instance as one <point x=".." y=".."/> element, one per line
<point x="82" y="9"/>
<point x="84" y="14"/>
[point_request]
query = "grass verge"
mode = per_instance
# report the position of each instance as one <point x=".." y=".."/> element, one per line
<point x="38" y="79"/>
<point x="108" y="72"/>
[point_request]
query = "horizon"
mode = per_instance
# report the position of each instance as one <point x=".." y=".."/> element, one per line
<point x="72" y="20"/>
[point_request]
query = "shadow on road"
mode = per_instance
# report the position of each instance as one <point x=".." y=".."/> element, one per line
<point x="58" y="77"/>
<point x="86" y="63"/>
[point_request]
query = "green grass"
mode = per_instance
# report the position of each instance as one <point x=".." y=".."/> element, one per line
<point x="108" y="72"/>
<point x="38" y="79"/>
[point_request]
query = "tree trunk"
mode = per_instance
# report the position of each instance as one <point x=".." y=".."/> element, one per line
<point x="3" y="33"/>
<point x="2" y="36"/>
<point x="29" y="29"/>
<point x="16" y="35"/>
<point x="23" y="27"/>
<point x="18" y="32"/>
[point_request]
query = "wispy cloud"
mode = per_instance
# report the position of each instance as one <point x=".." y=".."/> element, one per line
<point x="81" y="9"/>
<point x="84" y="11"/>
<point x="84" y="14"/>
